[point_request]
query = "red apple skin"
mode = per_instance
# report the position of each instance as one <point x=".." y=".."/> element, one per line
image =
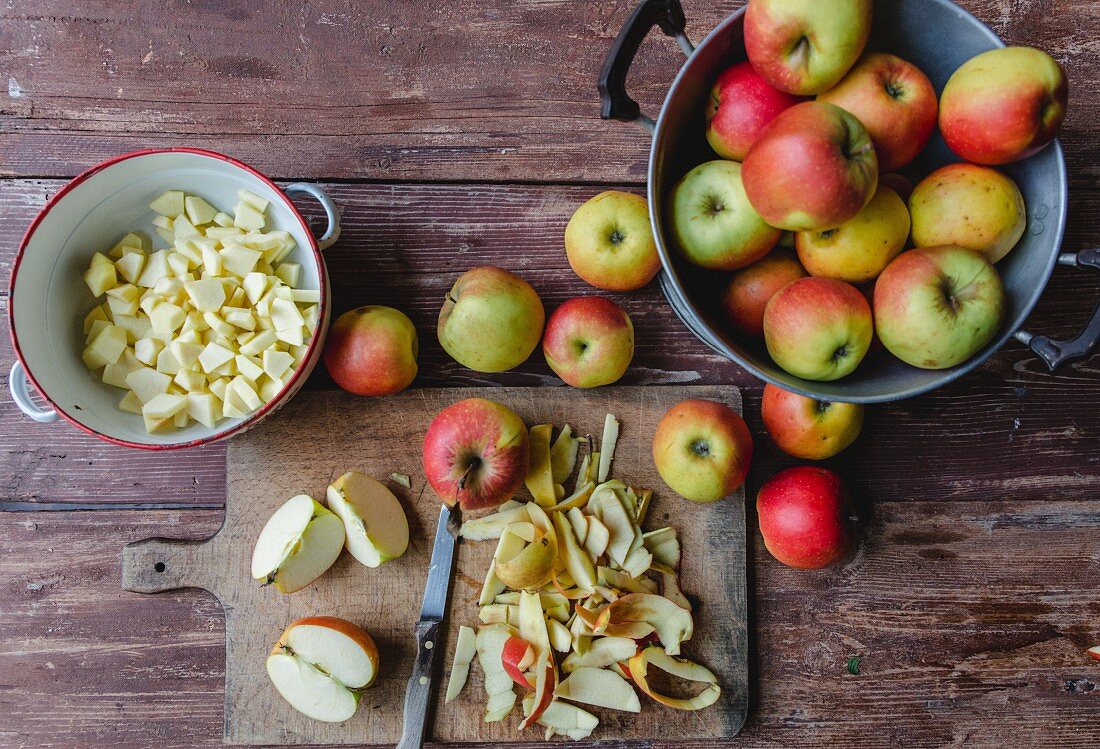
<point x="484" y="441"/>
<point x="1003" y="105"/>
<point x="813" y="168"/>
<point x="589" y="342"/>
<point x="372" y="351"/>
<point x="894" y="100"/>
<point x="805" y="518"/>
<point x="741" y="105"/>
<point x="515" y="650"/>
<point x="808" y="428"/>
<point x="749" y="290"/>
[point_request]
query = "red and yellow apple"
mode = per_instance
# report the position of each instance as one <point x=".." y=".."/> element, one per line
<point x="936" y="307"/>
<point x="818" y="328"/>
<point x="805" y="46"/>
<point x="860" y="248"/>
<point x="748" y="291"/>
<point x="491" y="320"/>
<point x="476" y="453"/>
<point x="609" y="242"/>
<point x="813" y="168"/>
<point x="806" y="427"/>
<point x="741" y="105"/>
<point x="805" y="518"/>
<point x="1003" y="105"/>
<point x="969" y="206"/>
<point x="702" y="450"/>
<point x="589" y="342"/>
<point x="372" y="351"/>
<point x="713" y="223"/>
<point x="894" y="100"/>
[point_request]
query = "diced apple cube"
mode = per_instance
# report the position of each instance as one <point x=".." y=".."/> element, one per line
<point x="95" y="330"/>
<point x="190" y="380"/>
<point x="137" y="327"/>
<point x="305" y="296"/>
<point x="115" y="374"/>
<point x="286" y="315"/>
<point x="260" y="241"/>
<point x="211" y="262"/>
<point x="130" y="265"/>
<point x="182" y="228"/>
<point x="299" y="353"/>
<point x="147" y="383"/>
<point x="237" y="297"/>
<point x="239" y="317"/>
<point x="252" y="199"/>
<point x="190" y="249"/>
<point x="276" y="363"/>
<point x="198" y="210"/>
<point x="217" y="387"/>
<point x="97" y="313"/>
<point x="292" y="336"/>
<point x="247" y="216"/>
<point x="169" y="203"/>
<point x="248" y="368"/>
<point x="162" y="222"/>
<point x="121" y="306"/>
<point x="156" y="268"/>
<point x="166" y="361"/>
<point x="101" y="275"/>
<point x="218" y="325"/>
<point x="178" y="263"/>
<point x="166" y="318"/>
<point x="214" y="356"/>
<point x="239" y="260"/>
<point x="245" y="337"/>
<point x="189" y="336"/>
<point x="246" y="391"/>
<point x="185" y="352"/>
<point x="146" y="350"/>
<point x="130" y="243"/>
<point x="164" y="406"/>
<point x="231" y="410"/>
<point x="130" y="403"/>
<point x="223" y="220"/>
<point x="270" y="387"/>
<point x="166" y="235"/>
<point x="106" y="347"/>
<point x="289" y="272"/>
<point x="207" y="294"/>
<point x="310" y="315"/>
<point x="204" y="408"/>
<point x="260" y="343"/>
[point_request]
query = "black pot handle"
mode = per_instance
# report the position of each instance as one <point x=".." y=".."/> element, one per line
<point x="1056" y="353"/>
<point x="615" y="102"/>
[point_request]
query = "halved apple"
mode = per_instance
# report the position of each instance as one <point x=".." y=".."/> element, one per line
<point x="603" y="652"/>
<point x="639" y="666"/>
<point x="297" y="544"/>
<point x="465" y="649"/>
<point x="319" y="662"/>
<point x="672" y="623"/>
<point x="596" y="686"/>
<point x="375" y="527"/>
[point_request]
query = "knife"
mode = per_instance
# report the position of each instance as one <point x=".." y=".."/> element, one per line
<point x="430" y="628"/>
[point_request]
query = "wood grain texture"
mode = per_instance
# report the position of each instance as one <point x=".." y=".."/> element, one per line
<point x="403" y="245"/>
<point x="971" y="620"/>
<point x="448" y="90"/>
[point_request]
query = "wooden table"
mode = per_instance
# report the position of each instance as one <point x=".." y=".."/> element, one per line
<point x="457" y="133"/>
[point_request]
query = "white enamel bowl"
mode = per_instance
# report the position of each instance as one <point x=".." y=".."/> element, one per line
<point x="48" y="298"/>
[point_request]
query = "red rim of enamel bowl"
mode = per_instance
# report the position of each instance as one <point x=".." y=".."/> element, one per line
<point x="245" y="423"/>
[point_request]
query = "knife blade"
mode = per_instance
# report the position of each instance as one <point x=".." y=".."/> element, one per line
<point x="429" y="629"/>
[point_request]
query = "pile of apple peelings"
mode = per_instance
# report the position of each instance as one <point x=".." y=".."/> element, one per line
<point x="575" y="578"/>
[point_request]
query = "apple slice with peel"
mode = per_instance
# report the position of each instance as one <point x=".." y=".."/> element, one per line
<point x="517" y="656"/>
<point x="673" y="624"/>
<point x="568" y="720"/>
<point x="297" y="544"/>
<point x="654" y="656"/>
<point x="560" y="638"/>
<point x="375" y="527"/>
<point x="546" y="680"/>
<point x="596" y="686"/>
<point x="533" y="566"/>
<point x="465" y="649"/>
<point x="319" y="662"/>
<point x="603" y="652"/>
<point x="540" y="478"/>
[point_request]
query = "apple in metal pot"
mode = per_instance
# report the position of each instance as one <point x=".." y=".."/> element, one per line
<point x="818" y="328"/>
<point x="372" y="351"/>
<point x="969" y="206"/>
<point x="813" y="168"/>
<point x="702" y="449"/>
<point x="609" y="242"/>
<point x="476" y="454"/>
<point x="1003" y="105"/>
<point x="894" y="100"/>
<point x="589" y="342"/>
<point x="491" y="320"/>
<point x="748" y="291"/>
<point x="805" y="46"/>
<point x="713" y="223"/>
<point x="741" y="105"/>
<point x="806" y="518"/>
<point x="935" y="307"/>
<point x="806" y="427"/>
<point x="861" y="247"/>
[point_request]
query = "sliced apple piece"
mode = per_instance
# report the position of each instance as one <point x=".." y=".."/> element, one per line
<point x="507" y="547"/>
<point x="579" y="521"/>
<point x="596" y="686"/>
<point x="664" y="545"/>
<point x="598" y="537"/>
<point x="568" y="720"/>
<point x="546" y="680"/>
<point x="297" y="544"/>
<point x="548" y="598"/>
<point x="672" y="623"/>
<point x="625" y="582"/>
<point x="603" y="652"/>
<point x="465" y="649"/>
<point x="645" y="496"/>
<point x="576" y="561"/>
<point x="563" y="455"/>
<point x="560" y="637"/>
<point x="532" y="623"/>
<point x="376" y="529"/>
<point x="637" y="562"/>
<point x="607" y="447"/>
<point x="540" y="479"/>
<point x="517" y="656"/>
<point x="491" y="526"/>
<point x="498" y="613"/>
<point x="620" y="524"/>
<point x="577" y="499"/>
<point x="639" y="666"/>
<point x="498" y="684"/>
<point x="631" y="630"/>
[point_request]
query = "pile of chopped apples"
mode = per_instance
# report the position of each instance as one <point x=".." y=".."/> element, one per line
<point x="211" y="327"/>
<point x="579" y="603"/>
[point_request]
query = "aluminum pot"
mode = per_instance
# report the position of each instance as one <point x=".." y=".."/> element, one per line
<point x="937" y="36"/>
<point x="48" y="298"/>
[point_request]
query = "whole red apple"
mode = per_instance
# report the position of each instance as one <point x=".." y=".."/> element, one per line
<point x="589" y="342"/>
<point x="702" y="449"/>
<point x="741" y="105"/>
<point x="372" y="351"/>
<point x="894" y="100"/>
<point x="808" y="428"/>
<point x="749" y="290"/>
<point x="813" y="168"/>
<point x="805" y="518"/>
<point x="1003" y="105"/>
<point x="476" y="454"/>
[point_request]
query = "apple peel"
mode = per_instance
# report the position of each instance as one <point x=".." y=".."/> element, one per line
<point x="540" y="479"/>
<point x="684" y="669"/>
<point x="596" y="686"/>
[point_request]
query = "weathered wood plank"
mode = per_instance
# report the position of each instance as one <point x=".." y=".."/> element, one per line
<point x="971" y="621"/>
<point x="404" y="245"/>
<point x="447" y="90"/>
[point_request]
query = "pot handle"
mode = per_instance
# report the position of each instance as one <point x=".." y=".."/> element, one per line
<point x="332" y="213"/>
<point x="21" y="393"/>
<point x="1056" y="353"/>
<point x="615" y="102"/>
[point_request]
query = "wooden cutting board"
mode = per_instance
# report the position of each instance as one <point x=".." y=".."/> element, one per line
<point x="319" y="436"/>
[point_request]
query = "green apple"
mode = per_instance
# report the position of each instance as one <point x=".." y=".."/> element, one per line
<point x="713" y="223"/>
<point x="609" y="242"/>
<point x="376" y="529"/>
<point x="491" y="320"/>
<point x="936" y="307"/>
<point x="702" y="449"/>
<point x="297" y="544"/>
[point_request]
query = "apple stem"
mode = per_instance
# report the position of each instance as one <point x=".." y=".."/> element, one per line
<point x="465" y="475"/>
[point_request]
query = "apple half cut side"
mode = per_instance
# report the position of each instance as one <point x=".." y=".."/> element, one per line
<point x="655" y="656"/>
<point x="375" y="526"/>
<point x="297" y="544"/>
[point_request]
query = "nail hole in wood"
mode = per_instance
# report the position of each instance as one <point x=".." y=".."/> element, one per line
<point x="159" y="567"/>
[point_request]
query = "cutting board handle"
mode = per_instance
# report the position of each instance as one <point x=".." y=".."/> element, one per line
<point x="155" y="565"/>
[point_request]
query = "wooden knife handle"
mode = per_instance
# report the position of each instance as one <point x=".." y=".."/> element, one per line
<point x="418" y="694"/>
